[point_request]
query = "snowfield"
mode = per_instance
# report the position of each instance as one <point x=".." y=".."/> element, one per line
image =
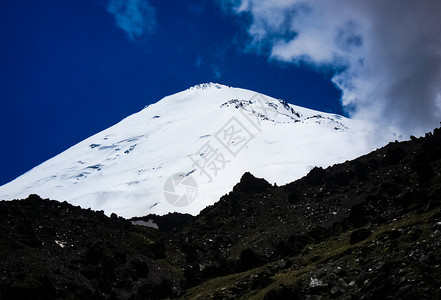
<point x="194" y="145"/>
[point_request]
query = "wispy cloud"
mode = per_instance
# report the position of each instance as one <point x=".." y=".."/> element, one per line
<point x="216" y="72"/>
<point x="199" y="62"/>
<point x="386" y="54"/>
<point x="135" y="17"/>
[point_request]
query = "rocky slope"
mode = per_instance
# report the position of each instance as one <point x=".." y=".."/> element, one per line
<point x="364" y="229"/>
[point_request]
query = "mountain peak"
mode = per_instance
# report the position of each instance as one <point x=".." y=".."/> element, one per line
<point x="184" y="152"/>
<point x="204" y="86"/>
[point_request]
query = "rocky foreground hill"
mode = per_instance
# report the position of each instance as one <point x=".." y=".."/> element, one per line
<point x="365" y="229"/>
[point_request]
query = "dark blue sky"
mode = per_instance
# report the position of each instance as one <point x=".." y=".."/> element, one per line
<point x="67" y="71"/>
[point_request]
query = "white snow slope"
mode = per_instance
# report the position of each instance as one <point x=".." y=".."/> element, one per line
<point x="210" y="134"/>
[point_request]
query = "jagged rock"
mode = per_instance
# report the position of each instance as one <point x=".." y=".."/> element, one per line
<point x="357" y="215"/>
<point x="249" y="259"/>
<point x="249" y="184"/>
<point x="359" y="235"/>
<point x="394" y="155"/>
<point x="316" y="176"/>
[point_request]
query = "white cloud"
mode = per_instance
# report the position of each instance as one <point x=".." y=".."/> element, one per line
<point x="388" y="53"/>
<point x="135" y="17"/>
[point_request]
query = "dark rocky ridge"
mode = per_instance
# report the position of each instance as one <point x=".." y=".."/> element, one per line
<point x="365" y="229"/>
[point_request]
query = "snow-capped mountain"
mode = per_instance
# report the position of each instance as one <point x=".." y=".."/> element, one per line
<point x="185" y="151"/>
